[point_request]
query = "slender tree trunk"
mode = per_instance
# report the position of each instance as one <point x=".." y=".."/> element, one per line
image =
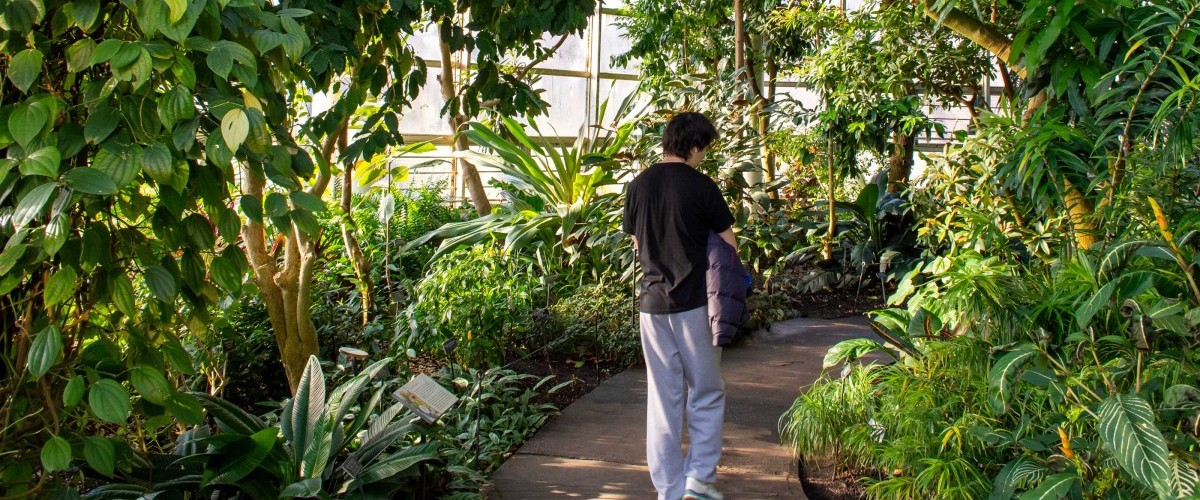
<point x="831" y="192"/>
<point x="358" y="259"/>
<point x="467" y="171"/>
<point x="739" y="46"/>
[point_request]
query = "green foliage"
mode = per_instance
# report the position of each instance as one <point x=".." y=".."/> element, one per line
<point x="125" y="130"/>
<point x="478" y="299"/>
<point x="593" y="321"/>
<point x="557" y="205"/>
<point x="498" y="410"/>
<point x="338" y="445"/>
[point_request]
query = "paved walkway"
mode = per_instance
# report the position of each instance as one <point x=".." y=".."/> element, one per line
<point x="596" y="447"/>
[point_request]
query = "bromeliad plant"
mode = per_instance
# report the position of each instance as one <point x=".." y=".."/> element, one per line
<point x="553" y="194"/>
<point x="340" y="445"/>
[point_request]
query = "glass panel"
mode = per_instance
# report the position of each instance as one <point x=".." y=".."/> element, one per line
<point x="572" y="55"/>
<point x="425" y="115"/>
<point x="568" y="99"/>
<point x="427" y="43"/>
<point x="615" y="91"/>
<point x="614" y="42"/>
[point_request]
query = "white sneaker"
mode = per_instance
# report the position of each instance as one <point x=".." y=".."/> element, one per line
<point x="699" y="490"/>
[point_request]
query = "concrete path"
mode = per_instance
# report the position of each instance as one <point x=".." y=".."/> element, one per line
<point x="596" y="447"/>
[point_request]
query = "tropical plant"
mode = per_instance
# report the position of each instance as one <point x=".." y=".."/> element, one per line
<point x="498" y="410"/>
<point x="474" y="304"/>
<point x="492" y="34"/>
<point x="596" y="321"/>
<point x="338" y="445"/>
<point x="555" y="195"/>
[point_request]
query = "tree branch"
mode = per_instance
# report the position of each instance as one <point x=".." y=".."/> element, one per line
<point x="984" y="35"/>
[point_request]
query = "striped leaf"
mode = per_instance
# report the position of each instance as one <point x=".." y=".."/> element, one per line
<point x="1004" y="374"/>
<point x="1053" y="488"/>
<point x="1128" y="430"/>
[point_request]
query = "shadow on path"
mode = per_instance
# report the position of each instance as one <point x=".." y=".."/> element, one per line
<point x="596" y="447"/>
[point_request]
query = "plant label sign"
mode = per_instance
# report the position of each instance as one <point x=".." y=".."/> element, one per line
<point x="425" y="397"/>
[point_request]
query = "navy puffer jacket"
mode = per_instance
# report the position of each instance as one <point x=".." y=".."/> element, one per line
<point x="726" y="290"/>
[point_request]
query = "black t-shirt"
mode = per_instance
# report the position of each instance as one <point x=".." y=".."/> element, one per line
<point x="670" y="208"/>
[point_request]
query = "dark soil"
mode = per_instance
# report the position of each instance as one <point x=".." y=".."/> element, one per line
<point x="822" y="481"/>
<point x="583" y="375"/>
<point x="833" y="304"/>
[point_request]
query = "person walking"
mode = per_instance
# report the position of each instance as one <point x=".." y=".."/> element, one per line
<point x="670" y="210"/>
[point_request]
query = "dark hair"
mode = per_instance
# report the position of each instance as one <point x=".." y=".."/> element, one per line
<point x="686" y="131"/>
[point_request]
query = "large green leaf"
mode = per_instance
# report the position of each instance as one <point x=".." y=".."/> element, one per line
<point x="1004" y="374"/>
<point x="121" y="289"/>
<point x="306" y="488"/>
<point x="156" y="160"/>
<point x="56" y="454"/>
<point x="186" y="408"/>
<point x="1129" y="431"/>
<point x="100" y="454"/>
<point x="31" y="205"/>
<point x="79" y="55"/>
<point x="44" y="351"/>
<point x="20" y="15"/>
<point x="43" y="162"/>
<point x="308" y="202"/>
<point x="161" y="283"/>
<point x="101" y="123"/>
<point x="151" y="383"/>
<point x="303" y="413"/>
<point x="73" y="393"/>
<point x="109" y="401"/>
<point x="396" y="464"/>
<point x="57" y="231"/>
<point x="176" y="105"/>
<point x="121" y="163"/>
<point x="1016" y="474"/>
<point x="1053" y="488"/>
<point x="24" y="68"/>
<point x="90" y="181"/>
<point x="229" y="417"/>
<point x="243" y="456"/>
<point x="226" y="273"/>
<point x="850" y="350"/>
<point x="60" y="287"/>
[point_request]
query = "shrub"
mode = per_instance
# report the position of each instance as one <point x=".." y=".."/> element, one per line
<point x="598" y="320"/>
<point x="474" y="302"/>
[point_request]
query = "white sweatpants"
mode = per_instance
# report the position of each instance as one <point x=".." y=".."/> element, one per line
<point x="681" y="361"/>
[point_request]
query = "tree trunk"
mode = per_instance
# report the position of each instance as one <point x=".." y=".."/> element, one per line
<point x="467" y="171"/>
<point x="358" y="259"/>
<point x="287" y="310"/>
<point x="901" y="162"/>
<point x="739" y="46"/>
<point x="1080" y="211"/>
<point x="831" y="192"/>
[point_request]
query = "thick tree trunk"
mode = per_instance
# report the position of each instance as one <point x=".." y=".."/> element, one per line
<point x="280" y="290"/>
<point x="901" y="161"/>
<point x="468" y="173"/>
<point x="1081" y="213"/>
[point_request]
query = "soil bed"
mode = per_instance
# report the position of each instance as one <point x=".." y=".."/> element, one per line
<point x="821" y="481"/>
